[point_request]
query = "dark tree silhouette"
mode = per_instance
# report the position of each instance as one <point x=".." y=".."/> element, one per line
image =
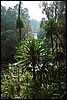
<point x="19" y="21"/>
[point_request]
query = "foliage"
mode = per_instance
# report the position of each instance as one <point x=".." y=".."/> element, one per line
<point x="30" y="54"/>
<point x="10" y="84"/>
<point x="40" y="70"/>
<point x="21" y="24"/>
<point x="9" y="40"/>
<point x="9" y="33"/>
<point x="20" y="82"/>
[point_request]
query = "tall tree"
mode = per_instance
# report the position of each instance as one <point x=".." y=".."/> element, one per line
<point x="19" y="21"/>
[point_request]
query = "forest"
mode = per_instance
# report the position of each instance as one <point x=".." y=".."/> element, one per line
<point x="33" y="68"/>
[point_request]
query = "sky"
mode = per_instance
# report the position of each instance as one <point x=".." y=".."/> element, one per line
<point x="33" y="7"/>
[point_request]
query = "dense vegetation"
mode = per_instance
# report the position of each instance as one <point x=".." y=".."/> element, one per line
<point x="40" y="68"/>
<point x="9" y="32"/>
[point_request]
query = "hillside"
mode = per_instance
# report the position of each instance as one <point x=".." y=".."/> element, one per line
<point x="35" y="24"/>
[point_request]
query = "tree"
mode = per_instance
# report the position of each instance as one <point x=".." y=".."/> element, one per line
<point x="32" y="51"/>
<point x="56" y="16"/>
<point x="20" y="25"/>
<point x="50" y="28"/>
<point x="31" y="55"/>
<point x="9" y="20"/>
<point x="25" y="17"/>
<point x="9" y="40"/>
<point x="56" y="10"/>
<point x="19" y="20"/>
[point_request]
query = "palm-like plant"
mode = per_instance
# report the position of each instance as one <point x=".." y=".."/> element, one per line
<point x="30" y="55"/>
<point x="19" y="22"/>
<point x="50" y="27"/>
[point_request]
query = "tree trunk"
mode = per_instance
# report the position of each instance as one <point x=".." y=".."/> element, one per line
<point x="52" y="43"/>
<point x="19" y="34"/>
<point x="19" y="21"/>
<point x="52" y="39"/>
<point x="34" y="77"/>
<point x="56" y="11"/>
